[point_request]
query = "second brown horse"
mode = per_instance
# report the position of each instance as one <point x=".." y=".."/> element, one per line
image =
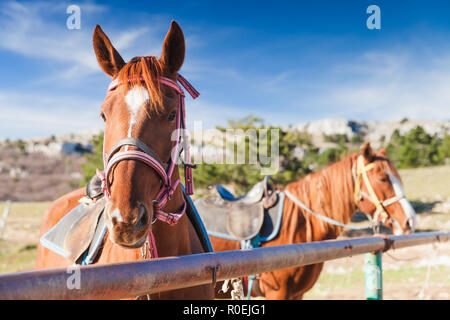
<point x="329" y="192"/>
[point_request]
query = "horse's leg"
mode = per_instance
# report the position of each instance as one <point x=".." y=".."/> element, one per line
<point x="308" y="279"/>
<point x="45" y="257"/>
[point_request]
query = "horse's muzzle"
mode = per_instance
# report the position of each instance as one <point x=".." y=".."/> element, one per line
<point x="128" y="230"/>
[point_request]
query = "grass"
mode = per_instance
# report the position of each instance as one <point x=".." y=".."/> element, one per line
<point x="425" y="184"/>
<point x="407" y="277"/>
<point x="18" y="246"/>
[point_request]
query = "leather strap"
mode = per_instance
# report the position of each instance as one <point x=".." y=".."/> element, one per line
<point x="138" y="144"/>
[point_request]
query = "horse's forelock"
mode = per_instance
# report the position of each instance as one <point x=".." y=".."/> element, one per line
<point x="150" y="69"/>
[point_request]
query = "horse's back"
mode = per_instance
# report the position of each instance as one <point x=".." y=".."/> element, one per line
<point x="58" y="209"/>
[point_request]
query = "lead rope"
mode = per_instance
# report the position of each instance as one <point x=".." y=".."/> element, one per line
<point x="433" y="255"/>
<point x="317" y="215"/>
<point x="237" y="292"/>
<point x="148" y="250"/>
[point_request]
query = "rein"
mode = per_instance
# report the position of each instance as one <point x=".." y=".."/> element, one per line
<point x="320" y="216"/>
<point x="148" y="156"/>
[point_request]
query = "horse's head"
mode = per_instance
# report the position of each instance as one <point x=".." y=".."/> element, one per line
<point x="379" y="191"/>
<point x="140" y="108"/>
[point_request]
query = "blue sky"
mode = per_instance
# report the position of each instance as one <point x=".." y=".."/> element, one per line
<point x="288" y="62"/>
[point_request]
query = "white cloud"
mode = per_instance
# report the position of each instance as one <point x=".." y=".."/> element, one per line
<point x="391" y="85"/>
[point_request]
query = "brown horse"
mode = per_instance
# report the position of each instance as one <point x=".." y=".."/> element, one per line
<point x="335" y="192"/>
<point x="143" y="110"/>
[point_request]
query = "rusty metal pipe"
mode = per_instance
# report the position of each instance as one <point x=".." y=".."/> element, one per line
<point x="124" y="280"/>
<point x="416" y="239"/>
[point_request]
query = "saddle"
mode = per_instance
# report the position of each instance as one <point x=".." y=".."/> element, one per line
<point x="256" y="214"/>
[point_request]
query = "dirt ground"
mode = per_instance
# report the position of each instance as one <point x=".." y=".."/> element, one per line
<point x="415" y="273"/>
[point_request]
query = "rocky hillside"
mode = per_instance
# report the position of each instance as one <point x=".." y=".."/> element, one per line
<point x="42" y="169"/>
<point x="375" y="132"/>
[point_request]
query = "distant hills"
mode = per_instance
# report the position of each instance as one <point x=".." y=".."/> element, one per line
<point x="375" y="132"/>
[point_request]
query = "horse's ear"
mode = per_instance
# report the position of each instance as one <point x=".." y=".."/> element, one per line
<point x="367" y="152"/>
<point x="107" y="56"/>
<point x="172" y="56"/>
<point x="382" y="151"/>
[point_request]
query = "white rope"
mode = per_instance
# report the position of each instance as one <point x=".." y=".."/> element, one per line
<point x="321" y="217"/>
<point x="432" y="255"/>
<point x="237" y="293"/>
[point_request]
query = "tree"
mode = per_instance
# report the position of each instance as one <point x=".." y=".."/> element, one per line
<point x="417" y="149"/>
<point x="94" y="160"/>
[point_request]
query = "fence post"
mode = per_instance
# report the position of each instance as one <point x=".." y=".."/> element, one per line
<point x="374" y="276"/>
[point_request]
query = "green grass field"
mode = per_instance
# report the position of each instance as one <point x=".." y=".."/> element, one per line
<point x="20" y="236"/>
<point x="425" y="184"/>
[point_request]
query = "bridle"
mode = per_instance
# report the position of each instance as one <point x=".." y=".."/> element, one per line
<point x="146" y="155"/>
<point x="381" y="215"/>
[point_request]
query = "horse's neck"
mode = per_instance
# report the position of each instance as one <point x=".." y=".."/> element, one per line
<point x="329" y="192"/>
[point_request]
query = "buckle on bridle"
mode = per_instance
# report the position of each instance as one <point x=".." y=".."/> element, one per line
<point x="170" y="219"/>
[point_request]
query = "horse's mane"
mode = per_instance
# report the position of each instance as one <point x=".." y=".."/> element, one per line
<point x="149" y="67"/>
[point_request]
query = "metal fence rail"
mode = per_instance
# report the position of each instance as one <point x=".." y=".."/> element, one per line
<point x="123" y="280"/>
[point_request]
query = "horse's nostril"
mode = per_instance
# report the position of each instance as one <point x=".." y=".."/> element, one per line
<point x="410" y="225"/>
<point x="142" y="218"/>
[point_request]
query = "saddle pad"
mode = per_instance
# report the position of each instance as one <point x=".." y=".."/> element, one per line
<point x="253" y="196"/>
<point x="272" y="220"/>
<point x="214" y="215"/>
<point x="97" y="241"/>
<point x="217" y="216"/>
<point x="73" y="234"/>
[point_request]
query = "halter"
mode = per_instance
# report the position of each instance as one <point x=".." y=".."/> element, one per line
<point x="147" y="156"/>
<point x="361" y="171"/>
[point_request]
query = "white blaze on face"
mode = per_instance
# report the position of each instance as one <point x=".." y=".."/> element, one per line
<point x="135" y="99"/>
<point x="407" y="207"/>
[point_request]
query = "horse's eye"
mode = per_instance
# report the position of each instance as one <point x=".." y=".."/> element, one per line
<point x="384" y="179"/>
<point x="172" y="116"/>
<point x="102" y="115"/>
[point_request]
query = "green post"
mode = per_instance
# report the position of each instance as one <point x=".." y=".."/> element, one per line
<point x="374" y="276"/>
